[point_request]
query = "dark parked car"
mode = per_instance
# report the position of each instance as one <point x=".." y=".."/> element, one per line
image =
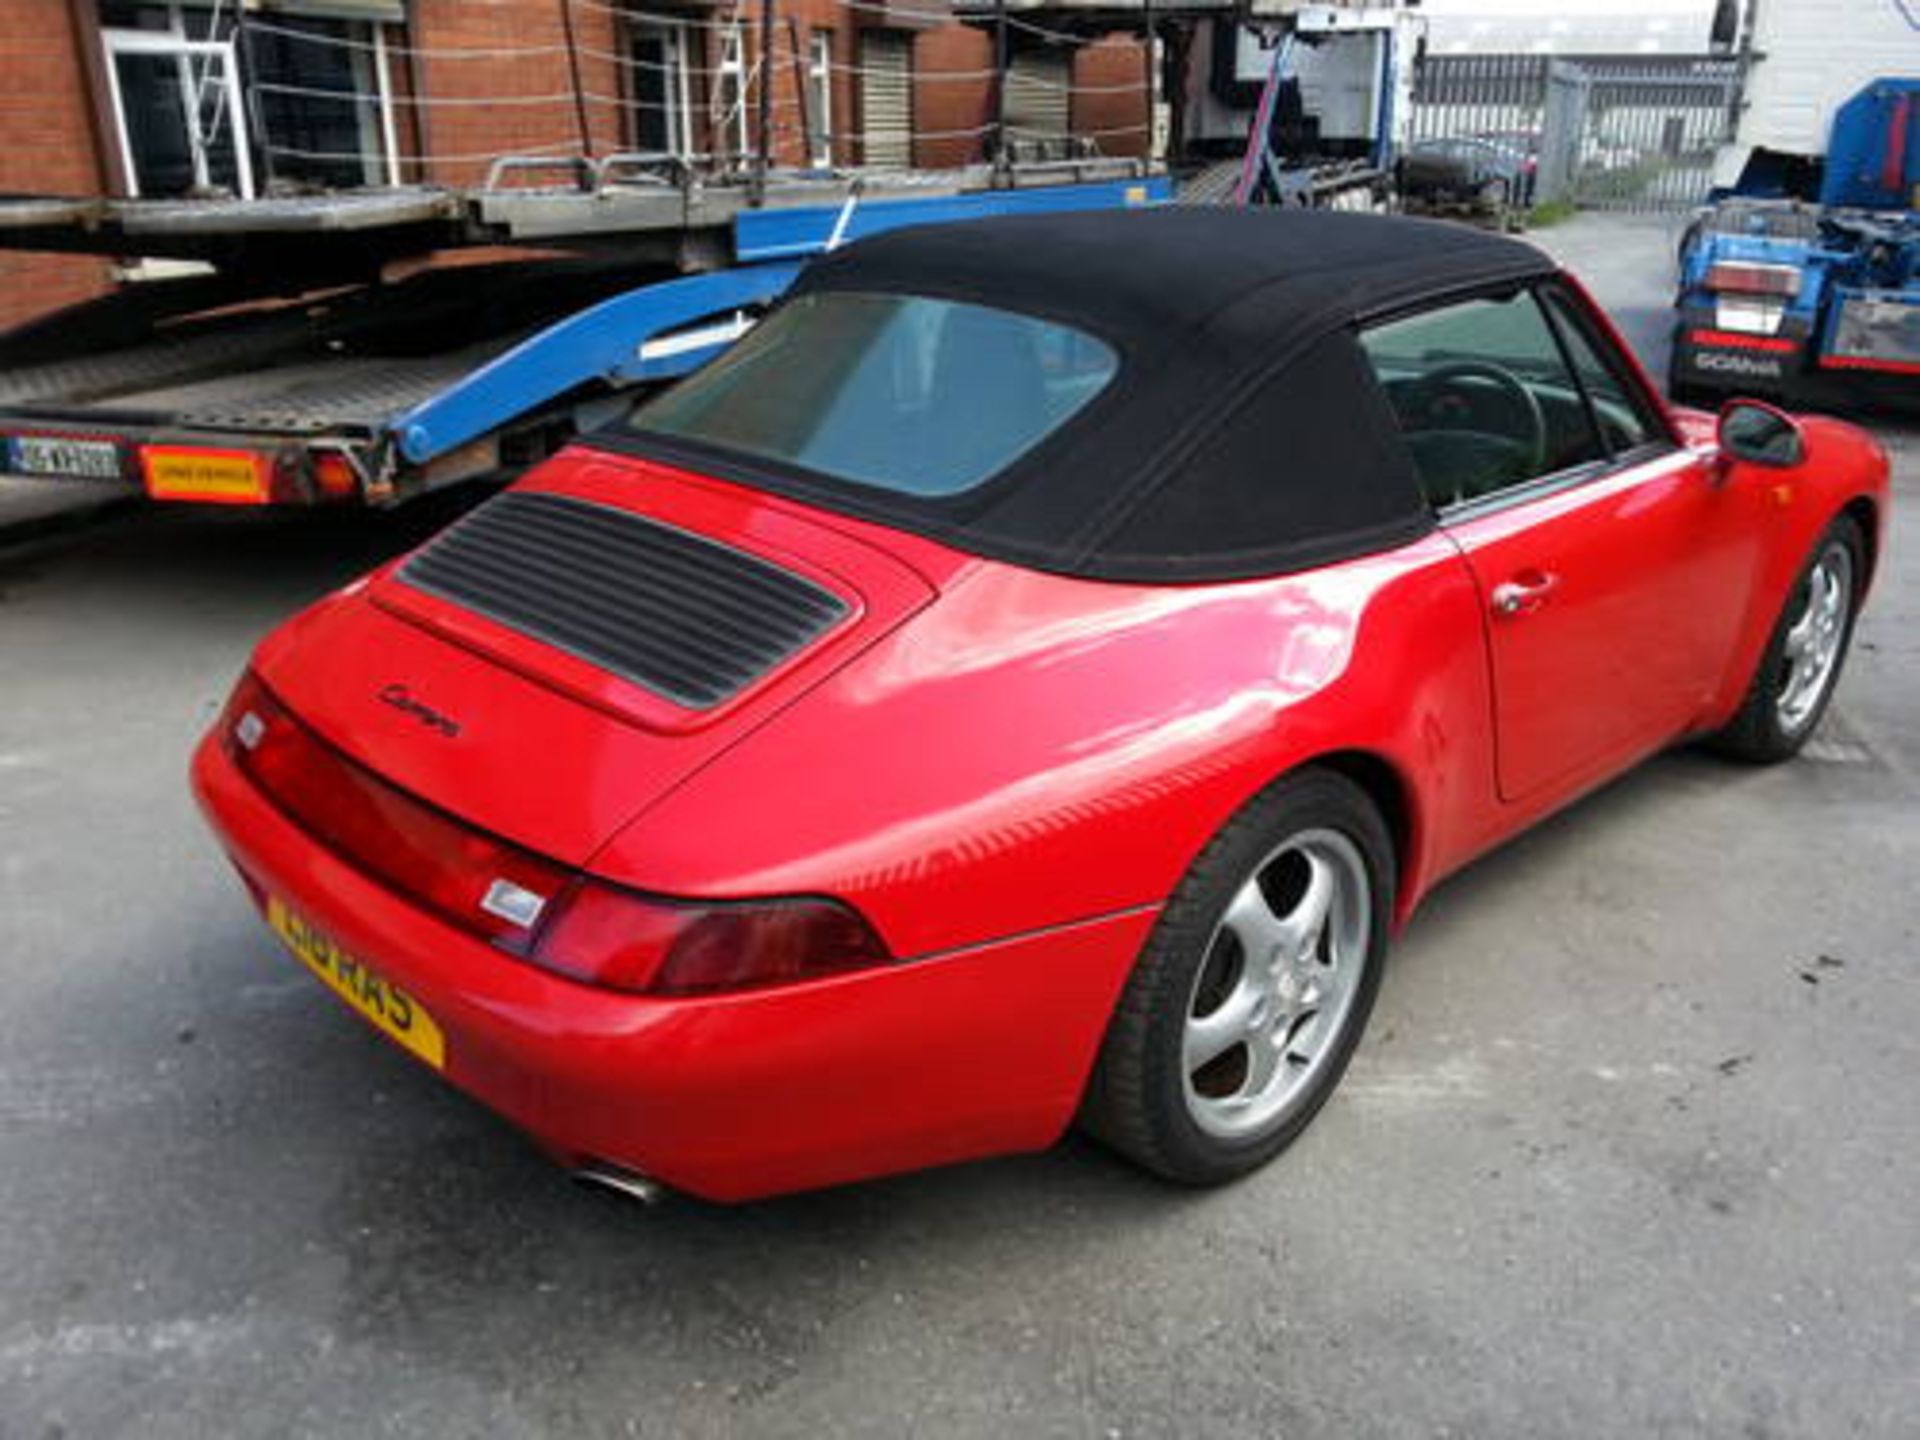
<point x="1484" y="176"/>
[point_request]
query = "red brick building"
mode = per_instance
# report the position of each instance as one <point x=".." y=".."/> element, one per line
<point x="157" y="98"/>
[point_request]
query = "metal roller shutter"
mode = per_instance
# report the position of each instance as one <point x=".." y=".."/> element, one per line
<point x="1040" y="95"/>
<point x="886" y="98"/>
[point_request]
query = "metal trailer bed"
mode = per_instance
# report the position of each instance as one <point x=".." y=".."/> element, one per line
<point x="244" y="388"/>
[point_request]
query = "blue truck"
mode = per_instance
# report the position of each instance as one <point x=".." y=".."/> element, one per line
<point x="1801" y="282"/>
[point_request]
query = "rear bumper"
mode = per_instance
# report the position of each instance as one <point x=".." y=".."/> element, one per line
<point x="1785" y="368"/>
<point x="201" y="467"/>
<point x="1706" y="357"/>
<point x="978" y="1052"/>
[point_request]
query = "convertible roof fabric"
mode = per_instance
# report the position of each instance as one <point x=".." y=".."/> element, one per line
<point x="1178" y="275"/>
<point x="1244" y="434"/>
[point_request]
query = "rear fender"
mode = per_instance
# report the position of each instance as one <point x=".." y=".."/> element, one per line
<point x="1054" y="749"/>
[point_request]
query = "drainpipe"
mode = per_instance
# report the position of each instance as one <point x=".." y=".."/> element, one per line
<point x="1000" y="161"/>
<point x="763" y="155"/>
<point x="1146" y="80"/>
<point x="110" y="165"/>
<point x="581" y="120"/>
<point x="800" y="62"/>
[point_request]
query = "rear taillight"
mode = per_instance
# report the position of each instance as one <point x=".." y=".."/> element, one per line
<point x="1752" y="278"/>
<point x="624" y="941"/>
<point x="488" y="887"/>
<point x="561" y="920"/>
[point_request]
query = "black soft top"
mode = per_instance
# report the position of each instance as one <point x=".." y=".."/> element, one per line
<point x="1244" y="433"/>
<point x="1179" y="277"/>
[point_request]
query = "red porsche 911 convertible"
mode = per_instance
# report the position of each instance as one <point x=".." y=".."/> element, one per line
<point x="1024" y="681"/>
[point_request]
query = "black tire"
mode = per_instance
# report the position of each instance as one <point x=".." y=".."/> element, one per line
<point x="1137" y="1101"/>
<point x="1760" y="734"/>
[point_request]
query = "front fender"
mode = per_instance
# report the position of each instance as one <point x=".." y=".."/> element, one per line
<point x="1845" y="469"/>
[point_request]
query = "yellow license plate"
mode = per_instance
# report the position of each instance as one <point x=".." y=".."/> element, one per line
<point x="390" y="1008"/>
<point x="230" y="476"/>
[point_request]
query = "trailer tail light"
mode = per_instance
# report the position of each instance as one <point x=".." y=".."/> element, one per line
<point x="334" y="476"/>
<point x="207" y="475"/>
<point x="1733" y="339"/>
<point x="1745" y="277"/>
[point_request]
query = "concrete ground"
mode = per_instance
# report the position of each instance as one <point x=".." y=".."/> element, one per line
<point x="1629" y="1150"/>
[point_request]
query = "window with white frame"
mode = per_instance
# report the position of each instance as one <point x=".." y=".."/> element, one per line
<point x="657" y="87"/>
<point x="321" y="101"/>
<point x="204" y="102"/>
<point x="820" y="97"/>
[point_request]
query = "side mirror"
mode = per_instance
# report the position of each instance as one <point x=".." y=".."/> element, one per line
<point x="1760" y="434"/>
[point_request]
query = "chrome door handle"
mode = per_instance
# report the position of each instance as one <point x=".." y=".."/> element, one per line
<point x="1524" y="593"/>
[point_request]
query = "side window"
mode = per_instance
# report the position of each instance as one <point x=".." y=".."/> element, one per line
<point x="1625" y="422"/>
<point x="1483" y="397"/>
<point x="1253" y="498"/>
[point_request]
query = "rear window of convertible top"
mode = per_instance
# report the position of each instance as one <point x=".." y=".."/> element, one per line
<point x="901" y="393"/>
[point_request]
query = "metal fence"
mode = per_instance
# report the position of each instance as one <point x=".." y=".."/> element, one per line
<point x="1479" y="97"/>
<point x="1606" y="132"/>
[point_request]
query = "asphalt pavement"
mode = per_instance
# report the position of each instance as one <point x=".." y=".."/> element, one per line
<point x="1630" y="1148"/>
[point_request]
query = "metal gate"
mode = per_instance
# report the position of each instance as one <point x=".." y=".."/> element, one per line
<point x="1478" y="97"/>
<point x="886" y="98"/>
<point x="1650" y="135"/>
<point x="1610" y="133"/>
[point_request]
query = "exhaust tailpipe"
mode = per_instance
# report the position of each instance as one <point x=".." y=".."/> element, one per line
<point x="604" y="1175"/>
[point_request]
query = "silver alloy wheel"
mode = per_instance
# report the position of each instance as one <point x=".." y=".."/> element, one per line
<point x="1275" y="992"/>
<point x="1815" y="638"/>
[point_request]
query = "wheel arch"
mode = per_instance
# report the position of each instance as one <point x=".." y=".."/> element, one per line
<point x="1393" y="795"/>
<point x="1864" y="511"/>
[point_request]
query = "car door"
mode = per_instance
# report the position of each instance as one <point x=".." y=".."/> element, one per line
<point x="1611" y="564"/>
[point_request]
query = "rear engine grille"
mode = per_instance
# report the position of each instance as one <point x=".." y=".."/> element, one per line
<point x="690" y="619"/>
